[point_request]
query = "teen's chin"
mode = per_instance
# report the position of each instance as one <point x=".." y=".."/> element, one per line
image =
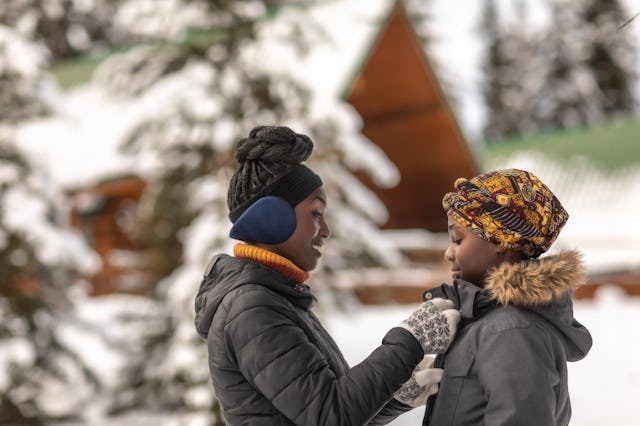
<point x="456" y="274"/>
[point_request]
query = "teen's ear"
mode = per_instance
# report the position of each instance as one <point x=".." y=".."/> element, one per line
<point x="504" y="253"/>
<point x="270" y="220"/>
<point x="509" y="254"/>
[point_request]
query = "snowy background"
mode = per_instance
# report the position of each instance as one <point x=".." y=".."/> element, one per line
<point x="79" y="144"/>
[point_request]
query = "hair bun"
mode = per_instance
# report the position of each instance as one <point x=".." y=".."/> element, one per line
<point x="274" y="144"/>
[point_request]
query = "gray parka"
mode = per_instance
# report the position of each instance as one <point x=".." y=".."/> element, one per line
<point x="272" y="362"/>
<point x="508" y="363"/>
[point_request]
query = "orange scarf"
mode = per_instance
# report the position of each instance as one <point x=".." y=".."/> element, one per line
<point x="271" y="260"/>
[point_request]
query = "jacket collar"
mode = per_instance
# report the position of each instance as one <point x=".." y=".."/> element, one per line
<point x="226" y="273"/>
<point x="472" y="301"/>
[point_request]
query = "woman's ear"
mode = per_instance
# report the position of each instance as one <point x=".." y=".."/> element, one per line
<point x="270" y="220"/>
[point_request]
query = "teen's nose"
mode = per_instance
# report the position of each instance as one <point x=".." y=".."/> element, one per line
<point x="448" y="254"/>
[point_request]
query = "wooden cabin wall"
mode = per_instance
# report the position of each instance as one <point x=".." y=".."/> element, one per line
<point x="104" y="214"/>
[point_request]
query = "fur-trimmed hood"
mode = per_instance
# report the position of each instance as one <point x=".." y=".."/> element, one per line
<point x="542" y="286"/>
<point x="536" y="282"/>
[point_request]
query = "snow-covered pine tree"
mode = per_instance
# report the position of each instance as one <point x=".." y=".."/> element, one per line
<point x="66" y="28"/>
<point x="40" y="262"/>
<point x="214" y="70"/>
<point x="577" y="69"/>
<point x="571" y="96"/>
<point x="498" y="122"/>
<point x="20" y="76"/>
<point x="514" y="73"/>
<point x="612" y="55"/>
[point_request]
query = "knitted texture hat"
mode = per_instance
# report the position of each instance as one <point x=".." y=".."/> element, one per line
<point x="511" y="208"/>
<point x="294" y="186"/>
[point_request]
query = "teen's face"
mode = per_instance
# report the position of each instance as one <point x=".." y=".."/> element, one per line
<point x="304" y="247"/>
<point x="470" y="255"/>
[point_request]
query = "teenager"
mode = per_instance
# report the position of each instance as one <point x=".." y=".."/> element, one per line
<point x="508" y="363"/>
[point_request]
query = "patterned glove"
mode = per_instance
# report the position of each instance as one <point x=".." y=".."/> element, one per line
<point x="422" y="384"/>
<point x="434" y="325"/>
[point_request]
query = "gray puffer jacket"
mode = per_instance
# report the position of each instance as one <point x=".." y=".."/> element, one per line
<point x="508" y="363"/>
<point x="272" y="362"/>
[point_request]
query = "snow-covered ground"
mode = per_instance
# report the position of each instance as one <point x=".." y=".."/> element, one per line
<point x="604" y="387"/>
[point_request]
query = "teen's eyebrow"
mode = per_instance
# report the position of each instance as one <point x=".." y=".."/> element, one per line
<point x="453" y="225"/>
<point x="321" y="199"/>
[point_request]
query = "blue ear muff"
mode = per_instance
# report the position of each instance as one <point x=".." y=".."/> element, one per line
<point x="270" y="220"/>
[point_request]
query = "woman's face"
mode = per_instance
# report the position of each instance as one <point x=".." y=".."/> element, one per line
<point x="304" y="247"/>
<point x="470" y="255"/>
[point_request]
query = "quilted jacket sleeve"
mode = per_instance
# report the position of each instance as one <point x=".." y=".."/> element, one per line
<point x="393" y="409"/>
<point x="277" y="357"/>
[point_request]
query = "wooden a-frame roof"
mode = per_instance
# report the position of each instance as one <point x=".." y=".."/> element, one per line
<point x="406" y="114"/>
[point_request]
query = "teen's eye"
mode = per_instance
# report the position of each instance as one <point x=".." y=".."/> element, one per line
<point x="457" y="242"/>
<point x="317" y="214"/>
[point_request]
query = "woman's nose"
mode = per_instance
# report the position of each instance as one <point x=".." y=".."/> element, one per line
<point x="325" y="232"/>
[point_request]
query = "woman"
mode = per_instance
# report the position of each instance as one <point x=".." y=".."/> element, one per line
<point x="271" y="361"/>
<point x="508" y="365"/>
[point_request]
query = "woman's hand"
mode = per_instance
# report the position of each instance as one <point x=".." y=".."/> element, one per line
<point x="434" y="325"/>
<point x="422" y="384"/>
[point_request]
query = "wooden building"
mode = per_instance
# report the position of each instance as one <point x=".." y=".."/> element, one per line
<point x="104" y="213"/>
<point x="406" y="114"/>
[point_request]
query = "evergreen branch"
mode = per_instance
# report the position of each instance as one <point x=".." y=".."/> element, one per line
<point x="628" y="21"/>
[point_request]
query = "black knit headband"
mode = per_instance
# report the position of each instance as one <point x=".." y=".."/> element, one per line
<point x="294" y="187"/>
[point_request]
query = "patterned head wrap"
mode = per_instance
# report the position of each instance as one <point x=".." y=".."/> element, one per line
<point x="511" y="208"/>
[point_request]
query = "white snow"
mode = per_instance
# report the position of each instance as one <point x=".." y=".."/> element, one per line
<point x="20" y="56"/>
<point x="83" y="143"/>
<point x="152" y="17"/>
